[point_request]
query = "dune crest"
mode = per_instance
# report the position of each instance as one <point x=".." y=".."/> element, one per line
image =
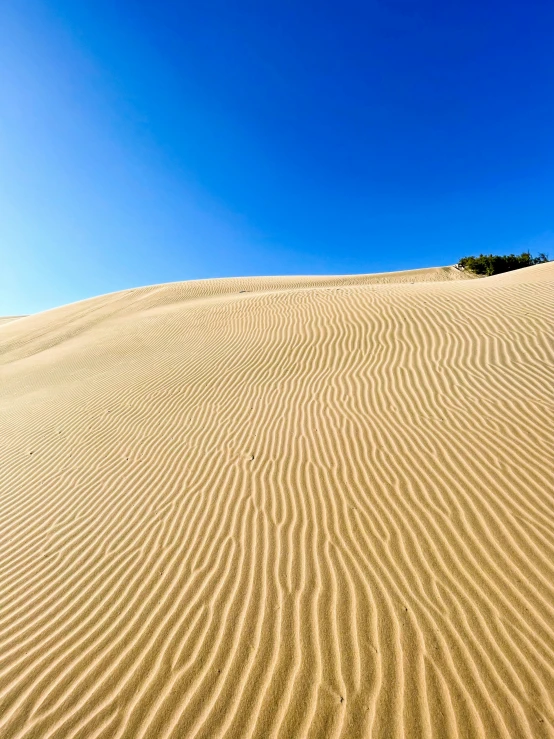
<point x="281" y="507"/>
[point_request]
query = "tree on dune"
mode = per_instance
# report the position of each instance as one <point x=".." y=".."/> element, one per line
<point x="494" y="264"/>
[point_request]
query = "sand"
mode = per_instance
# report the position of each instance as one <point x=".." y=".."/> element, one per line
<point x="281" y="507"/>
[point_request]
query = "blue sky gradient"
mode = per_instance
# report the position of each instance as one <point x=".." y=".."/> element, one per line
<point x="146" y="142"/>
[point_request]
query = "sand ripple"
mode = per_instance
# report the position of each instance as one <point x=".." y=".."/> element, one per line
<point x="281" y="507"/>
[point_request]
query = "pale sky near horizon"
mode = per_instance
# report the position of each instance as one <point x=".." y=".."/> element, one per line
<point x="147" y="142"/>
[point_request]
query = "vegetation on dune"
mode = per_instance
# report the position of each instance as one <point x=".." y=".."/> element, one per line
<point x="493" y="264"/>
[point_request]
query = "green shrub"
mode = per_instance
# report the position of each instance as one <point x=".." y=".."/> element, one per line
<point x="492" y="264"/>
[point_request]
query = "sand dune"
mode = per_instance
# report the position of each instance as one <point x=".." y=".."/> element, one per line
<point x="281" y="507"/>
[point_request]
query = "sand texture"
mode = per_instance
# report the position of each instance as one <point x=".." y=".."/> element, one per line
<point x="281" y="507"/>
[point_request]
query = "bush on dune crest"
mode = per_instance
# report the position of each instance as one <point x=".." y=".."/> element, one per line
<point x="492" y="264"/>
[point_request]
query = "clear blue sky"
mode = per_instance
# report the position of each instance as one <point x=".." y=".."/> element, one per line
<point x="145" y="142"/>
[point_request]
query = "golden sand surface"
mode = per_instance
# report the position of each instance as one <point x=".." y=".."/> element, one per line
<point x="281" y="507"/>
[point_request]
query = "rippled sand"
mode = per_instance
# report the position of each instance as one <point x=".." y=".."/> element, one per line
<point x="281" y="507"/>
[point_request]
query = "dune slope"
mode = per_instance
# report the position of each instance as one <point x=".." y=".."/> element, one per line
<point x="281" y="508"/>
